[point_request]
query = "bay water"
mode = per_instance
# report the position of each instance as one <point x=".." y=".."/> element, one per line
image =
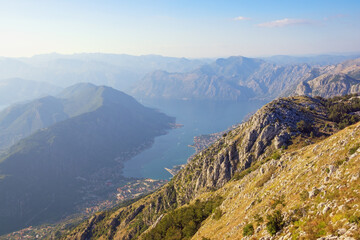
<point x="197" y="118"/>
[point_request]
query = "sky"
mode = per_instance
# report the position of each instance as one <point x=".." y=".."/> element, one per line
<point x="179" y="28"/>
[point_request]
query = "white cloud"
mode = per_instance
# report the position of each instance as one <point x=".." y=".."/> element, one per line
<point x="284" y="22"/>
<point x="241" y="18"/>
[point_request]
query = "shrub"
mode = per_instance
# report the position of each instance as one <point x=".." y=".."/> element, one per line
<point x="338" y="163"/>
<point x="278" y="200"/>
<point x="354" y="149"/>
<point x="183" y="223"/>
<point x="275" y="222"/>
<point x="248" y="230"/>
<point x="258" y="219"/>
<point x="284" y="147"/>
<point x="354" y="219"/>
<point x="304" y="195"/>
<point x="217" y="214"/>
<point x="276" y="155"/>
<point x="340" y="110"/>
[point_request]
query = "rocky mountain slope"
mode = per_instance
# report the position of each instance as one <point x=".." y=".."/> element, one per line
<point x="233" y="78"/>
<point x="335" y="80"/>
<point x="92" y="131"/>
<point x="308" y="193"/>
<point x="196" y="199"/>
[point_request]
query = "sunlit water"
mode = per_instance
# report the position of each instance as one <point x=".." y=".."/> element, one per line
<point x="198" y="117"/>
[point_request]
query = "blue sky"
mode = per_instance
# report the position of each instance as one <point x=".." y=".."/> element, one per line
<point x="179" y="28"/>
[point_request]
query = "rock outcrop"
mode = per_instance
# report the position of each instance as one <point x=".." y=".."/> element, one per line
<point x="314" y="190"/>
<point x="268" y="130"/>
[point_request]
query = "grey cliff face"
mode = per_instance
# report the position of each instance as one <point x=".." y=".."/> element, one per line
<point x="332" y="81"/>
<point x="268" y="130"/>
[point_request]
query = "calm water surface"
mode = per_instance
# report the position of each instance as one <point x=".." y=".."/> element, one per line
<point x="198" y="117"/>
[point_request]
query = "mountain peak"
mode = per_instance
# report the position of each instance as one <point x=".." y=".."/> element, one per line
<point x="78" y="88"/>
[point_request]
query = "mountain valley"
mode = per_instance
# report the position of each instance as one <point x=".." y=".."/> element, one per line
<point x="80" y="139"/>
<point x="264" y="164"/>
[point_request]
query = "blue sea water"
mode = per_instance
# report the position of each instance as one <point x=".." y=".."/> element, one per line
<point x="197" y="118"/>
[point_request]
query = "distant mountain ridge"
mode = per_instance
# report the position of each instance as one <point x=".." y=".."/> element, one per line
<point x="13" y="90"/>
<point x="240" y="78"/>
<point x="39" y="174"/>
<point x="315" y="60"/>
<point x="166" y="77"/>
<point x="336" y="80"/>
<point x="233" y="78"/>
<point x="120" y="71"/>
<point x="21" y="120"/>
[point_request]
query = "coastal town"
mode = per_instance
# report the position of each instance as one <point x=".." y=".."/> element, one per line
<point x="137" y="188"/>
<point x="129" y="189"/>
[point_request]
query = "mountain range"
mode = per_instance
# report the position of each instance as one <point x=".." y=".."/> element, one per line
<point x="161" y="77"/>
<point x="16" y="90"/>
<point x="120" y="71"/>
<point x="340" y="79"/>
<point x="77" y="141"/>
<point x="240" y="78"/>
<point x="289" y="171"/>
<point x="234" y="78"/>
<point x="314" y="60"/>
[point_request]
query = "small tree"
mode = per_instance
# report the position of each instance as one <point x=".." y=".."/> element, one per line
<point x="275" y="222"/>
<point x="217" y="214"/>
<point x="248" y="230"/>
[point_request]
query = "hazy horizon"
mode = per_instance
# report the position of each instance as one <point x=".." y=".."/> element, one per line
<point x="201" y="29"/>
<point x="215" y="57"/>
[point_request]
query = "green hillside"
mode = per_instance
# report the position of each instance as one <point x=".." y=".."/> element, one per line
<point x="46" y="175"/>
<point x="21" y="120"/>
